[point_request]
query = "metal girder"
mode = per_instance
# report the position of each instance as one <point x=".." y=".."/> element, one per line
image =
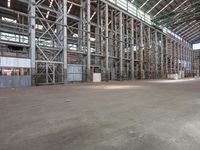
<point x="121" y="45"/>
<point x="144" y="4"/>
<point x="190" y="28"/>
<point x="32" y="38"/>
<point x="197" y="36"/>
<point x="190" y="34"/>
<point x="51" y="58"/>
<point x="141" y="50"/>
<point x="132" y="50"/>
<point x="88" y="40"/>
<point x="23" y="1"/>
<point x="154" y="6"/>
<point x="163" y="8"/>
<point x="193" y="35"/>
<point x="178" y="16"/>
<point x="65" y="39"/>
<point x="106" y="30"/>
<point x="186" y="26"/>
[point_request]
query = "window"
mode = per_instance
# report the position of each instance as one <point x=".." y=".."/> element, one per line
<point x="14" y="71"/>
<point x="8" y="4"/>
<point x="196" y="46"/>
<point x="38" y="26"/>
<point x="8" y="20"/>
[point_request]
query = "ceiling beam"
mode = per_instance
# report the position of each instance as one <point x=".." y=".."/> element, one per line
<point x="180" y="5"/>
<point x="192" y="35"/>
<point x="163" y="8"/>
<point x="154" y="6"/>
<point x="144" y="4"/>
<point x="23" y="1"/>
<point x="193" y="27"/>
<point x="185" y="26"/>
<point x="194" y="38"/>
<point x="179" y="16"/>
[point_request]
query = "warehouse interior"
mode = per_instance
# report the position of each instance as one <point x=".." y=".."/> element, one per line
<point x="125" y="74"/>
<point x="53" y="42"/>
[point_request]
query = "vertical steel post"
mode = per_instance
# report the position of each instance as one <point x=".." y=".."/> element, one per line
<point x="149" y="50"/>
<point x="156" y="53"/>
<point x="167" y="56"/>
<point x="106" y="42"/>
<point x="171" y="56"/>
<point x="178" y="52"/>
<point x="162" y="56"/>
<point x="88" y="42"/>
<point x="141" y="51"/>
<point x="132" y="50"/>
<point x="32" y="39"/>
<point x="121" y="45"/>
<point x="65" y="39"/>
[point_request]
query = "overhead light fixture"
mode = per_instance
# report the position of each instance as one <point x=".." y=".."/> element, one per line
<point x="92" y="15"/>
<point x="51" y="3"/>
<point x="47" y="15"/>
<point x="70" y="7"/>
<point x="9" y="1"/>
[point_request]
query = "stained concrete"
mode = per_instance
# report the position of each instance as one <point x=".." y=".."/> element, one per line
<point x="129" y="115"/>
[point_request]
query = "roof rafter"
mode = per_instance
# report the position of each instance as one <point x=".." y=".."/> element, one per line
<point x="154" y="6"/>
<point x="190" y="28"/>
<point x="144" y="4"/>
<point x="193" y="36"/>
<point x="163" y="8"/>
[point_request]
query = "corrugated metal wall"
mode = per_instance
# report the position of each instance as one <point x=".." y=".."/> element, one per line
<point x="15" y="81"/>
<point x="75" y="72"/>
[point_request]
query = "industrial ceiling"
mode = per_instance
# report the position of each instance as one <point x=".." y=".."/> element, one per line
<point x="180" y="16"/>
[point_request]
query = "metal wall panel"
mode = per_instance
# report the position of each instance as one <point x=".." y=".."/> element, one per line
<point x="75" y="72"/>
<point x="15" y="81"/>
<point x="15" y="62"/>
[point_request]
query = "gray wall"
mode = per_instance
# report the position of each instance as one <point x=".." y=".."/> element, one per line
<point x="15" y="81"/>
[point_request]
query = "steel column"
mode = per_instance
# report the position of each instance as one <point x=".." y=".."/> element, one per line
<point x="88" y="42"/>
<point x="106" y="42"/>
<point x="141" y="51"/>
<point x="32" y="38"/>
<point x="132" y="50"/>
<point x="121" y="45"/>
<point x="65" y="39"/>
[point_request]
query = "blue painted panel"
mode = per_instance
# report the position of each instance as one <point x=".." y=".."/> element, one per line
<point x="15" y="81"/>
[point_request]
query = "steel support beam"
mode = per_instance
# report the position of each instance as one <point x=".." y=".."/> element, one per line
<point x="88" y="42"/>
<point x="32" y="38"/>
<point x="162" y="56"/>
<point x="132" y="50"/>
<point x="141" y="51"/>
<point x="65" y="39"/>
<point x="106" y="42"/>
<point x="156" y="52"/>
<point x="166" y="55"/>
<point x="121" y="45"/>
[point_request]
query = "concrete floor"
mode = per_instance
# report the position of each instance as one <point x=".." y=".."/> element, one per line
<point x="138" y="115"/>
